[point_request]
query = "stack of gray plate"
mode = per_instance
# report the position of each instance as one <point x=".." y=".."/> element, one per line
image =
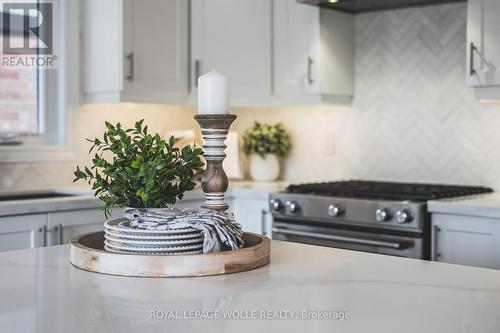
<point x="122" y="238"/>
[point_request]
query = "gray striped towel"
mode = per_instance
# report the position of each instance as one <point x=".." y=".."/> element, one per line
<point x="220" y="230"/>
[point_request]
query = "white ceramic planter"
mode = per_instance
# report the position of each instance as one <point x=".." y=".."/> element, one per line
<point x="265" y="169"/>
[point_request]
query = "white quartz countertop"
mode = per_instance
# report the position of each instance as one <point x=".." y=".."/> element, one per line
<point x="486" y="205"/>
<point x="42" y="292"/>
<point x="83" y="198"/>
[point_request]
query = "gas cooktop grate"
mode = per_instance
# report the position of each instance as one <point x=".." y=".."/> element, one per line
<point x="387" y="190"/>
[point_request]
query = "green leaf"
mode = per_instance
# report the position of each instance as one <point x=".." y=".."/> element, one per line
<point x="109" y="126"/>
<point x="137" y="163"/>
<point x="171" y="141"/>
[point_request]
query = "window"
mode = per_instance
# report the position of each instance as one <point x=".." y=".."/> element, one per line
<point x="38" y="93"/>
<point x="19" y="108"/>
<point x="19" y="91"/>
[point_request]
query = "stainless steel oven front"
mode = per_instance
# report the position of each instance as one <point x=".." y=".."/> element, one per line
<point x="373" y="240"/>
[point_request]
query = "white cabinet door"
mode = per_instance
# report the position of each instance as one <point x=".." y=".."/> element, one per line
<point x="156" y="44"/>
<point x="252" y="214"/>
<point x="483" y="47"/>
<point x="295" y="48"/>
<point x="313" y="52"/>
<point x="135" y="50"/>
<point x="466" y="240"/>
<point x="22" y="232"/>
<point x="234" y="38"/>
<point x="63" y="226"/>
<point x="337" y="35"/>
<point x="102" y="50"/>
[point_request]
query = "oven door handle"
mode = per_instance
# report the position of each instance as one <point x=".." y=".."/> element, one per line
<point x="360" y="241"/>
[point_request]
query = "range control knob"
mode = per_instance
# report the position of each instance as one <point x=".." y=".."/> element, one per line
<point x="404" y="216"/>
<point x="383" y="214"/>
<point x="293" y="206"/>
<point x="335" y="210"/>
<point x="276" y="204"/>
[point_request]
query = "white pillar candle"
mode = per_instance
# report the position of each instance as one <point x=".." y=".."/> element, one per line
<point x="213" y="96"/>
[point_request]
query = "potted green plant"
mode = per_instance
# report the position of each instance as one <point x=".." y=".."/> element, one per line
<point x="145" y="171"/>
<point x="266" y="145"/>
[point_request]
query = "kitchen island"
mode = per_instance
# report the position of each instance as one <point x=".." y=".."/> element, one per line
<point x="304" y="289"/>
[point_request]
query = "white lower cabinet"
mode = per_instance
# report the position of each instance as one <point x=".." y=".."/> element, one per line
<point x="56" y="228"/>
<point x="251" y="211"/>
<point x="22" y="232"/>
<point x="63" y="226"/>
<point x="253" y="215"/>
<point x="46" y="229"/>
<point x="466" y="240"/>
<point x="249" y="206"/>
<point x="189" y="203"/>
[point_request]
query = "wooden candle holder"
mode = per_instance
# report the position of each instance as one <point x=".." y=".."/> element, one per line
<point x="214" y="182"/>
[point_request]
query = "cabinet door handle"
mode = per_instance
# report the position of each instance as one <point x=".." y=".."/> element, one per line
<point x="310" y="62"/>
<point x="42" y="231"/>
<point x="197" y="66"/>
<point x="472" y="49"/>
<point x="437" y="229"/>
<point x="263" y="224"/>
<point x="130" y="58"/>
<point x="58" y="229"/>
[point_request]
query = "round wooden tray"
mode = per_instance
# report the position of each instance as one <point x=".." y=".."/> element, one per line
<point x="87" y="252"/>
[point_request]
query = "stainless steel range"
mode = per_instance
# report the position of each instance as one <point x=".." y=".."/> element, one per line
<point x="380" y="217"/>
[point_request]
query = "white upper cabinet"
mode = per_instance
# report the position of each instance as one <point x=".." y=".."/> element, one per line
<point x="313" y="52"/>
<point x="296" y="48"/>
<point x="275" y="52"/>
<point x="234" y="38"/>
<point x="483" y="47"/>
<point x="136" y="50"/>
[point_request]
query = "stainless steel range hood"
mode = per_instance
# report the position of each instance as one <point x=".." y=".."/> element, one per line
<point x="360" y="6"/>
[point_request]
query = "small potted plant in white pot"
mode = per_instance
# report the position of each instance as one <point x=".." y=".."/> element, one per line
<point x="266" y="145"/>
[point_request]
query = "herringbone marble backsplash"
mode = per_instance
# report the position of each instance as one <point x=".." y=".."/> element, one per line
<point x="413" y="117"/>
